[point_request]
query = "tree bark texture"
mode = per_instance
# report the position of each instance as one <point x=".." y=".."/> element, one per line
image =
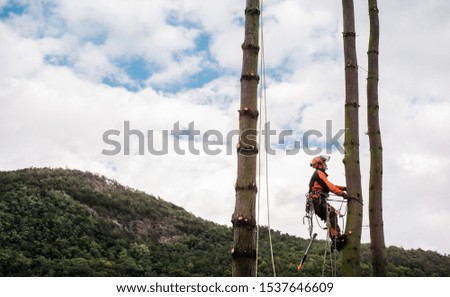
<point x="244" y="216"/>
<point x="351" y="265"/>
<point x="376" y="149"/>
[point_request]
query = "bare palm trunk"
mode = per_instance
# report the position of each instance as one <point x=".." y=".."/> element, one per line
<point x="244" y="216"/>
<point x="351" y="265"/>
<point x="376" y="149"/>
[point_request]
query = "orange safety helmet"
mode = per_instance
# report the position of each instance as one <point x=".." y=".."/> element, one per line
<point x="320" y="162"/>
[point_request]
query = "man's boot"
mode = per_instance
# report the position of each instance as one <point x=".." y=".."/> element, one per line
<point x="338" y="242"/>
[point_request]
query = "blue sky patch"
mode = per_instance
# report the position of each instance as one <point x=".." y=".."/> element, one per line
<point x="137" y="68"/>
<point x="97" y="39"/>
<point x="174" y="18"/>
<point x="112" y="82"/>
<point x="239" y="20"/>
<point x="203" y="77"/>
<point x="12" y="8"/>
<point x="57" y="60"/>
<point x="208" y="73"/>
<point x="203" y="42"/>
<point x="281" y="71"/>
<point x="331" y="54"/>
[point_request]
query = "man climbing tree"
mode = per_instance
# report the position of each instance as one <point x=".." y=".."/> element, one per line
<point x="319" y="189"/>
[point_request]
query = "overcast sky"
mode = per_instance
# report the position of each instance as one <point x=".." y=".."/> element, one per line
<point x="72" y="70"/>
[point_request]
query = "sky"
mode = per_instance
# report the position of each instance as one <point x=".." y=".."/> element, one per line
<point x="80" y="80"/>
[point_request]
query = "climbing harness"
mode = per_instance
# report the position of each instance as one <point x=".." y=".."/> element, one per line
<point x="330" y="245"/>
<point x="309" y="209"/>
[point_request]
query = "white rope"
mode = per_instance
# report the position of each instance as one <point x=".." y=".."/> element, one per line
<point x="328" y="245"/>
<point x="263" y="104"/>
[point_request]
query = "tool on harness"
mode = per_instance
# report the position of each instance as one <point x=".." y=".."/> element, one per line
<point x="313" y="200"/>
<point x="309" y="206"/>
<point x="306" y="252"/>
<point x="309" y="209"/>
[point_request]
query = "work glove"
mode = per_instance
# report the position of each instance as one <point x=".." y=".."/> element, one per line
<point x="344" y="195"/>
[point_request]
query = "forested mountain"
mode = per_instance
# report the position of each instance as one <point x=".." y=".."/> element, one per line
<point x="59" y="222"/>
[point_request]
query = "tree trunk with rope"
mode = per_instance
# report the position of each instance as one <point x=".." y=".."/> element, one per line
<point x="244" y="216"/>
<point x="351" y="258"/>
<point x="376" y="149"/>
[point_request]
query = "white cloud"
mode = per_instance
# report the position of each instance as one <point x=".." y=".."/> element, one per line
<point x="227" y="55"/>
<point x="176" y="71"/>
<point x="18" y="56"/>
<point x="295" y="32"/>
<point x="93" y="64"/>
<point x="100" y="33"/>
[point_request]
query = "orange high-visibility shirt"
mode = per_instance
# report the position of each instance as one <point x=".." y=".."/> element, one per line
<point x="320" y="183"/>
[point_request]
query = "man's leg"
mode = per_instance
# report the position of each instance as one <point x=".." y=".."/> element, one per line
<point x="334" y="228"/>
<point x="338" y="240"/>
<point x="320" y="208"/>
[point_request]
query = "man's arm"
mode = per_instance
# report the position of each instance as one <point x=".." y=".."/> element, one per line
<point x="338" y="190"/>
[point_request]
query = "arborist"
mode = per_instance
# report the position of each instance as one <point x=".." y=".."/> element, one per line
<point x="319" y="189"/>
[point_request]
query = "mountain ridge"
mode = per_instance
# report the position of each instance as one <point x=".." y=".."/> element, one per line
<point x="66" y="222"/>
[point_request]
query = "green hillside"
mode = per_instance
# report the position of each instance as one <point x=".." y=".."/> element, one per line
<point x="59" y="222"/>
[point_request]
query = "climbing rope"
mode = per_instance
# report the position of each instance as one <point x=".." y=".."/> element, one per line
<point x="309" y="214"/>
<point x="327" y="242"/>
<point x="263" y="104"/>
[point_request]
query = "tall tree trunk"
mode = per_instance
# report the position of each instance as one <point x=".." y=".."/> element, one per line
<point x="376" y="149"/>
<point x="244" y="216"/>
<point x="351" y="265"/>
